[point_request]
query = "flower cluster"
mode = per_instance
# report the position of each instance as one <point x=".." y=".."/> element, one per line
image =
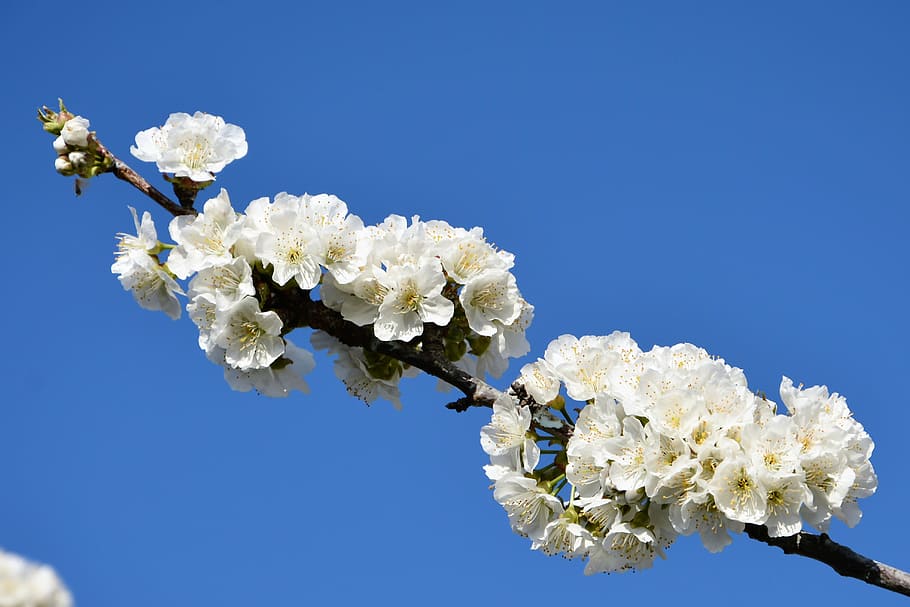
<point x="27" y="584"/>
<point x="194" y="146"/>
<point x="668" y="442"/>
<point x="78" y="152"/>
<point x="395" y="277"/>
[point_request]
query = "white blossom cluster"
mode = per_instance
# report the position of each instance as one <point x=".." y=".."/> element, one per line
<point x="667" y="442"/>
<point x="27" y="584"/>
<point x="72" y="145"/>
<point x="194" y="146"/>
<point x="395" y="277"/>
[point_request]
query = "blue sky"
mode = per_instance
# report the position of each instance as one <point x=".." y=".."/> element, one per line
<point x="733" y="176"/>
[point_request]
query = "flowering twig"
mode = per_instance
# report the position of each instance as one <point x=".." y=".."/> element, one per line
<point x="426" y="295"/>
<point x="297" y="309"/>
<point x="840" y="558"/>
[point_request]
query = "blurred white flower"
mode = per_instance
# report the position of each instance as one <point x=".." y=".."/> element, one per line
<point x="27" y="584"/>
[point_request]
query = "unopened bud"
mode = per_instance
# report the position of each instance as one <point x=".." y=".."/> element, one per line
<point x="75" y="132"/>
<point x="60" y="145"/>
<point x="53" y="121"/>
<point x="63" y="165"/>
<point x="78" y="159"/>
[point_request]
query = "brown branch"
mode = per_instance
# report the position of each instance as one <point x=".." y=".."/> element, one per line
<point x="843" y="560"/>
<point x="122" y="171"/>
<point x="297" y="309"/>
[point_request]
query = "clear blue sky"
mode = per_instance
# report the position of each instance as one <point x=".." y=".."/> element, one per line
<point x="734" y="176"/>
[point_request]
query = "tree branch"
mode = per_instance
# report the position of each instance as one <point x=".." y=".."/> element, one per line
<point x="840" y="558"/>
<point x="297" y="309"/>
<point x="122" y="171"/>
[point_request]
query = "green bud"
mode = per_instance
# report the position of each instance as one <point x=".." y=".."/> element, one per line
<point x="53" y="121"/>
<point x="455" y="333"/>
<point x="455" y="350"/>
<point x="380" y="366"/>
<point x="641" y="519"/>
<point x="558" y="403"/>
<point x="281" y="363"/>
<point x="479" y="344"/>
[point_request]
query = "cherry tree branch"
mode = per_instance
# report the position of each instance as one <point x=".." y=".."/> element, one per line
<point x="296" y="308"/>
<point x="122" y="171"/>
<point x="842" y="559"/>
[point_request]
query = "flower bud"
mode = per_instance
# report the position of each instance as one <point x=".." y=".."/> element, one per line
<point x="60" y="145"/>
<point x="63" y="165"/>
<point x="78" y="159"/>
<point x="53" y="121"/>
<point x="75" y="132"/>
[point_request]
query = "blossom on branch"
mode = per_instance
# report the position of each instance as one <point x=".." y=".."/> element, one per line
<point x="672" y="442"/>
<point x="196" y="146"/>
<point x="139" y="271"/>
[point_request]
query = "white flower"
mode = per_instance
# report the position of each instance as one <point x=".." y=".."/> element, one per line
<point x="506" y="434"/>
<point x="772" y="447"/>
<point x="351" y="367"/>
<point x="255" y="221"/>
<point x="291" y="245"/>
<point x="586" y="475"/>
<point x="466" y="254"/>
<point x="27" y="584"/>
<point x="191" y="146"/>
<point x="584" y="364"/>
<point x="830" y="479"/>
<point x="529" y="507"/>
<point x="565" y="536"/>
<point x="227" y="283"/>
<point x="624" y="547"/>
<point x="703" y="516"/>
<point x="413" y="297"/>
<point x="146" y="238"/>
<point x="596" y="424"/>
<point x="490" y="296"/>
<point x="738" y="492"/>
<point x="139" y="271"/>
<point x="627" y="472"/>
<point x="343" y="249"/>
<point x="508" y="342"/>
<point x="251" y="338"/>
<point x="784" y="497"/>
<point x="359" y="300"/>
<point x="152" y="287"/>
<point x="75" y="132"/>
<point x="666" y="458"/>
<point x="203" y="310"/>
<point x="278" y="379"/>
<point x="206" y="239"/>
<point x="678" y="411"/>
<point x="540" y="381"/>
